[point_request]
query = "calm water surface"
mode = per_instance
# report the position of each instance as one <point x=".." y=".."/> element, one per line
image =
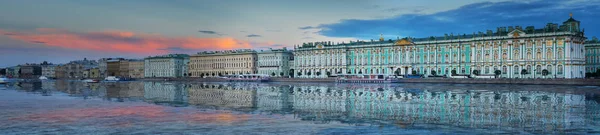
<point x="71" y="107"/>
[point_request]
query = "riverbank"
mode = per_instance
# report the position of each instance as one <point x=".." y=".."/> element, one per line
<point x="581" y="82"/>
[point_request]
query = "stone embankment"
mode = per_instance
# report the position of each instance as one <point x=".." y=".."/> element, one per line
<point x="583" y="82"/>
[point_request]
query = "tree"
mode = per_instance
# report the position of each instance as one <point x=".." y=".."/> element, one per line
<point x="280" y="73"/>
<point x="328" y="73"/>
<point x="299" y="73"/>
<point x="476" y="72"/>
<point x="273" y="74"/>
<point x="308" y="73"/>
<point x="524" y="72"/>
<point x="318" y="74"/>
<point x="397" y="72"/>
<point x="349" y="72"/>
<point x="414" y="72"/>
<point x="497" y="73"/>
<point x="597" y="72"/>
<point x="202" y="75"/>
<point x="545" y="72"/>
<point x="453" y="72"/>
<point x="433" y="73"/>
<point x="359" y="72"/>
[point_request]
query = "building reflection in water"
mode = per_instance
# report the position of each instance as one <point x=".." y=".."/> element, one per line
<point x="167" y="93"/>
<point x="538" y="109"/>
<point x="223" y="96"/>
<point x="124" y="91"/>
<point x="526" y="110"/>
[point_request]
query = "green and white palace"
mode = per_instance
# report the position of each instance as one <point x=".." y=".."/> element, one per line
<point x="509" y="52"/>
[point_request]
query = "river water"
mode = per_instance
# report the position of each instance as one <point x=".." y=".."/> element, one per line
<point x="137" y="107"/>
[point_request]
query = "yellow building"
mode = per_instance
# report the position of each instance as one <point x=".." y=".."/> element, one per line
<point x="232" y="62"/>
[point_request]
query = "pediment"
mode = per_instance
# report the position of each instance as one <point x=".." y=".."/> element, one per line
<point x="516" y="33"/>
<point x="403" y="42"/>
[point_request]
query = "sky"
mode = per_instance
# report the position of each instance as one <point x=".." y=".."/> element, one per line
<point x="59" y="31"/>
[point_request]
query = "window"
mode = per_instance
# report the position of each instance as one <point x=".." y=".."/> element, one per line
<point x="559" y="70"/>
<point x="487" y="70"/>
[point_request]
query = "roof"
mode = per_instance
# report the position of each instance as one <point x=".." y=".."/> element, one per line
<point x="177" y="56"/>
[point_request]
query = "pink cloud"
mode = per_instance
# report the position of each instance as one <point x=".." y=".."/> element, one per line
<point x="125" y="41"/>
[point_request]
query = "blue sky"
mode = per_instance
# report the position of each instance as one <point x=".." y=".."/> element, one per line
<point x="62" y="30"/>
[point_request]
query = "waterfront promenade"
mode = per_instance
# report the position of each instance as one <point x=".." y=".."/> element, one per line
<point x="581" y="82"/>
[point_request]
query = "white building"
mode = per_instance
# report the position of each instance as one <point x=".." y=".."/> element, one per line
<point x="592" y="57"/>
<point x="172" y="65"/>
<point x="555" y="51"/>
<point x="275" y="62"/>
<point x="49" y="71"/>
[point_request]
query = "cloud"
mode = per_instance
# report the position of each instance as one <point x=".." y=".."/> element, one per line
<point x="393" y="9"/>
<point x="307" y="38"/>
<point x="208" y="32"/>
<point x="308" y="27"/>
<point x="273" y="30"/>
<point x="125" y="42"/>
<point x="253" y="35"/>
<point x="467" y="19"/>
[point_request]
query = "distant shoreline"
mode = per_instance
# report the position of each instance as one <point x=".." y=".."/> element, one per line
<point x="580" y="82"/>
<point x="577" y="82"/>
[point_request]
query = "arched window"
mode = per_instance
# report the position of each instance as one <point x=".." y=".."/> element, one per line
<point x="538" y="69"/>
<point x="559" y="70"/>
<point x="559" y="53"/>
<point x="516" y="70"/>
<point x="504" y="70"/>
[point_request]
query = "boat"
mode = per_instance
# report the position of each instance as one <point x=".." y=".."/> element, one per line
<point x="3" y="80"/>
<point x="358" y="78"/>
<point x="248" y="78"/>
<point x="112" y="78"/>
<point x="91" y="80"/>
<point x="43" y="78"/>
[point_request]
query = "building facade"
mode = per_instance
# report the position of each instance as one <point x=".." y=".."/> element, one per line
<point x="103" y="66"/>
<point x="77" y="68"/>
<point x="219" y="63"/>
<point x="60" y="71"/>
<point x="124" y="68"/>
<point x="136" y="68"/>
<point x="172" y="65"/>
<point x="30" y="71"/>
<point x="94" y="73"/>
<point x="49" y="71"/>
<point x="592" y="57"/>
<point x="113" y="67"/>
<point x="274" y="62"/>
<point x="550" y="52"/>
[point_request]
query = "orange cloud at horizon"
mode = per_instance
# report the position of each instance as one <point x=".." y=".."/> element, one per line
<point x="125" y="41"/>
